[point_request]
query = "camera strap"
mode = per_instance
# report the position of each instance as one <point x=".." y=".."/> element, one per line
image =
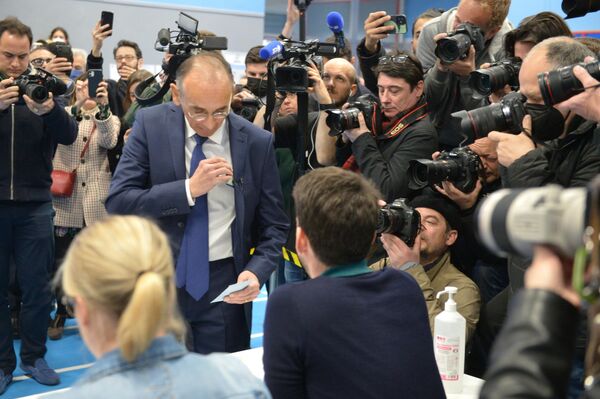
<point x="396" y="128"/>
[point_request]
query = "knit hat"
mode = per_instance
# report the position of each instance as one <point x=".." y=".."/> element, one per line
<point x="441" y="204"/>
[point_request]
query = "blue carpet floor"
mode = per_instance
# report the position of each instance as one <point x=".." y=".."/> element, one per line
<point x="70" y="357"/>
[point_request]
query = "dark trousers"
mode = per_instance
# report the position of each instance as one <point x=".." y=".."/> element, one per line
<point x="26" y="235"/>
<point x="215" y="327"/>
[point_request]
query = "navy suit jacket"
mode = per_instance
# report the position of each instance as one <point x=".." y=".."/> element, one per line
<point x="150" y="181"/>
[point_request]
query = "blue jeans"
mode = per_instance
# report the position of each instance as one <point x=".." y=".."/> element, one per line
<point x="26" y="234"/>
<point x="293" y="273"/>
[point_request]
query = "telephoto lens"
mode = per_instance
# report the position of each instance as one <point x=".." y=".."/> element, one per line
<point x="578" y="8"/>
<point x="484" y="82"/>
<point x="561" y="84"/>
<point x="461" y="166"/>
<point x="505" y="116"/>
<point x="513" y="221"/>
<point x="339" y="120"/>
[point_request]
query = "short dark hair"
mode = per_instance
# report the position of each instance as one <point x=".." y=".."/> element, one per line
<point x="337" y="209"/>
<point x="535" y="29"/>
<point x="253" y="56"/>
<point x="410" y="70"/>
<point x="128" y="43"/>
<point x="428" y="14"/>
<point x="16" y="27"/>
<point x="345" y="52"/>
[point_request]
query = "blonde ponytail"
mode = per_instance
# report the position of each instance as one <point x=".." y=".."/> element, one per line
<point x="144" y="315"/>
<point x="123" y="266"/>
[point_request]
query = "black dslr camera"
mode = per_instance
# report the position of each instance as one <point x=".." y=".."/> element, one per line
<point x="400" y="220"/>
<point x="249" y="108"/>
<point x="293" y="75"/>
<point x="339" y="120"/>
<point x="460" y="166"/>
<point x="561" y="84"/>
<point x="505" y="116"/>
<point x="484" y="82"/>
<point x="37" y="84"/>
<point x="456" y="45"/>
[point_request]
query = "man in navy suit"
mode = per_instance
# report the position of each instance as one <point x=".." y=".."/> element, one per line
<point x="210" y="179"/>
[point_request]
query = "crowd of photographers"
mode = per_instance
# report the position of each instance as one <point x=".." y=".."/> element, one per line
<point x="440" y="132"/>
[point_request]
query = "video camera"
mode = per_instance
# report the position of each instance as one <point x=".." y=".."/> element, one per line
<point x="561" y="84"/>
<point x="505" y="116"/>
<point x="513" y="221"/>
<point x="339" y="120"/>
<point x="182" y="43"/>
<point x="456" y="45"/>
<point x="400" y="220"/>
<point x="294" y="59"/>
<point x="38" y="83"/>
<point x="460" y="166"/>
<point x="484" y="82"/>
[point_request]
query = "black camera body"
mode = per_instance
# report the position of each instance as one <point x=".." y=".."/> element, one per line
<point x="37" y="84"/>
<point x="505" y="116"/>
<point x="249" y="108"/>
<point x="400" y="220"/>
<point x="292" y="75"/>
<point x="339" y="120"/>
<point x="484" y="82"/>
<point x="460" y="166"/>
<point x="456" y="45"/>
<point x="561" y="84"/>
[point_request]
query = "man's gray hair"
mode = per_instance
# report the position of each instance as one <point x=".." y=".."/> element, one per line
<point x="563" y="51"/>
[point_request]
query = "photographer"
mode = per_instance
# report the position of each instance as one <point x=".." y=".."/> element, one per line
<point x="586" y="104"/>
<point x="446" y="87"/>
<point x="428" y="261"/>
<point x="399" y="130"/>
<point x="29" y="134"/>
<point x="533" y="354"/>
<point x="248" y="100"/>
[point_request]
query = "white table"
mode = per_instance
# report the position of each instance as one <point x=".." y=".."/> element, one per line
<point x="252" y="358"/>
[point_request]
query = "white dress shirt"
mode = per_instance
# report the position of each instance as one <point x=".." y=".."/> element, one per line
<point x="221" y="200"/>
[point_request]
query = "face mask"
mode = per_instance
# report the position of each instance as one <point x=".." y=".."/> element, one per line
<point x="547" y="123"/>
<point x="257" y="86"/>
<point x="75" y="73"/>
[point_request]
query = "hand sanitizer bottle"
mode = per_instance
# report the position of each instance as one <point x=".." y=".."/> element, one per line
<point x="449" y="344"/>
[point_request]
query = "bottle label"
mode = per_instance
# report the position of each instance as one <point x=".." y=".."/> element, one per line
<point x="447" y="357"/>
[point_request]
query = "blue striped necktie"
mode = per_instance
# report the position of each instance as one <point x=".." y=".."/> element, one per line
<point x="192" y="265"/>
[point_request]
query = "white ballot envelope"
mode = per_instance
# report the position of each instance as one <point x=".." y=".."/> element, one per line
<point x="230" y="290"/>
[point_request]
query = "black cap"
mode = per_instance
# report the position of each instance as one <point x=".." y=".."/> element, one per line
<point x="446" y="207"/>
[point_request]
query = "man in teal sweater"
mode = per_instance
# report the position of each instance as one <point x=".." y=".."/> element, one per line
<point x="349" y="332"/>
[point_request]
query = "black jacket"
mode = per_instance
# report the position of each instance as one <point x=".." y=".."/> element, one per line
<point x="27" y="146"/>
<point x="385" y="162"/>
<point x="532" y="356"/>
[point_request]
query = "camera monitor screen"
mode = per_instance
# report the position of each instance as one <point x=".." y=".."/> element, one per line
<point x="187" y="23"/>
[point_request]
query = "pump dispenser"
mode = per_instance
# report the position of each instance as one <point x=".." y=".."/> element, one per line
<point x="449" y="343"/>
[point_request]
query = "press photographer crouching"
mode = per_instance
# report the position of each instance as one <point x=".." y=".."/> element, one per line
<point x="31" y="126"/>
<point x="385" y="134"/>
<point x="428" y="259"/>
<point x="466" y="175"/>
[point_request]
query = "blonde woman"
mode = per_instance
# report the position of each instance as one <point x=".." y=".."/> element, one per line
<point x="118" y="276"/>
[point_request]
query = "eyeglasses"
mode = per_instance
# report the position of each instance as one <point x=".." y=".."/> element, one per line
<point x="125" y="58"/>
<point x="69" y="303"/>
<point x="38" y="62"/>
<point x="399" y="59"/>
<point x="202" y="116"/>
